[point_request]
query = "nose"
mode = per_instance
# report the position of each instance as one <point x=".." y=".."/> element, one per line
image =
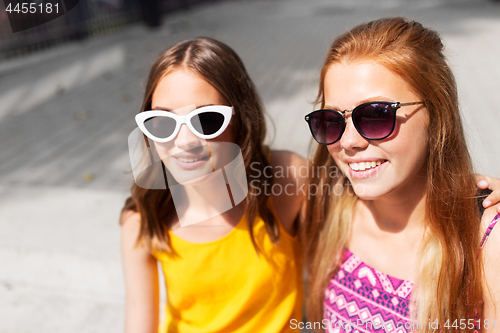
<point x="351" y="139"/>
<point x="186" y="139"/>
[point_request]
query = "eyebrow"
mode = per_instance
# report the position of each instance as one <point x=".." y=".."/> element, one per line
<point x="170" y="110"/>
<point x="161" y="108"/>
<point x="366" y="100"/>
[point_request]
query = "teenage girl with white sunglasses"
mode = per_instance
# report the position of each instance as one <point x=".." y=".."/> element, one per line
<point x="237" y="271"/>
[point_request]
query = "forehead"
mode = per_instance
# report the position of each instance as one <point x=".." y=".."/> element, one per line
<point x="182" y="87"/>
<point x="347" y="85"/>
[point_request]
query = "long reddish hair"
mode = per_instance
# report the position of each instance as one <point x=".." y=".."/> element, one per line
<point x="220" y="66"/>
<point x="449" y="283"/>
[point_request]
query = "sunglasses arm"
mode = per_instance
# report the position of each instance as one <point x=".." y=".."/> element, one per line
<point x="398" y="104"/>
<point x="395" y="106"/>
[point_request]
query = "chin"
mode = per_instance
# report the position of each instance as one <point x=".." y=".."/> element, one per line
<point x="367" y="197"/>
<point x="190" y="181"/>
<point x="366" y="191"/>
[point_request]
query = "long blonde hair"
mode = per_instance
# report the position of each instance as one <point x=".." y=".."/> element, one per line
<point x="449" y="282"/>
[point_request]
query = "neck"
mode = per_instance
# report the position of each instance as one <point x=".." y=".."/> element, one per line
<point x="206" y="194"/>
<point x="203" y="201"/>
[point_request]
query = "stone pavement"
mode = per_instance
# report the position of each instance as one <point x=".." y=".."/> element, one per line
<point x="65" y="115"/>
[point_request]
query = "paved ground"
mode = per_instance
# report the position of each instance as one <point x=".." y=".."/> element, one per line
<point x="65" y="116"/>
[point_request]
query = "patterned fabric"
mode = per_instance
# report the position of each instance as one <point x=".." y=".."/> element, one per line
<point x="488" y="231"/>
<point x="360" y="298"/>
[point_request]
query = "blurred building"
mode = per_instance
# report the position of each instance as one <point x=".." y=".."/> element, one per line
<point x="87" y="18"/>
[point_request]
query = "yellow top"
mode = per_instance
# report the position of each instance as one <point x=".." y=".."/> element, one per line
<point x="224" y="286"/>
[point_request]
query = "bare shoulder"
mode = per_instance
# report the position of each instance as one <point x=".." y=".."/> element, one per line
<point x="288" y="193"/>
<point x="285" y="158"/>
<point x="130" y="217"/>
<point x="491" y="257"/>
<point x="289" y="169"/>
<point x="130" y="223"/>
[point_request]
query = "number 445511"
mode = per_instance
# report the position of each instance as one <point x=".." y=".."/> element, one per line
<point x="33" y="8"/>
<point x="470" y="324"/>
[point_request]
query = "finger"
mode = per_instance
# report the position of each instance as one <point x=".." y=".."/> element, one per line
<point x="483" y="184"/>
<point x="482" y="181"/>
<point x="492" y="199"/>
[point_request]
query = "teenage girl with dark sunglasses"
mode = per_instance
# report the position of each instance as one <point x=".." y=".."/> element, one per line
<point x="404" y="246"/>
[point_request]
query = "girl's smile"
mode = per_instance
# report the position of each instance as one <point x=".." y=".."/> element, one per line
<point x="190" y="161"/>
<point x="365" y="169"/>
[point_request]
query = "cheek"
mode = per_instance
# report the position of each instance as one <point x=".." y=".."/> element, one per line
<point x="421" y="152"/>
<point x="163" y="149"/>
<point x="413" y="146"/>
<point x="228" y="134"/>
<point x="224" y="148"/>
<point x="334" y="151"/>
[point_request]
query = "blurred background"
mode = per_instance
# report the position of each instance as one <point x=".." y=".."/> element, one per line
<point x="69" y="90"/>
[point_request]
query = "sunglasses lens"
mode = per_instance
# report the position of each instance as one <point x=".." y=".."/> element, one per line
<point x="375" y="120"/>
<point x="207" y="123"/>
<point x="326" y="126"/>
<point x="160" y="127"/>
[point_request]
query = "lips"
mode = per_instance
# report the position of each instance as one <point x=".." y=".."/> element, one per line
<point x="190" y="162"/>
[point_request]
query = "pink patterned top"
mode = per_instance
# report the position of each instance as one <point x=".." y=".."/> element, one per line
<point x="360" y="298"/>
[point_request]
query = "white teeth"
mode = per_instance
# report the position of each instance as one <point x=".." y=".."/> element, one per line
<point x="188" y="160"/>
<point x="361" y="166"/>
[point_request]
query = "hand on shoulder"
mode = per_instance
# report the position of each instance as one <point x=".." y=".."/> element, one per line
<point x="493" y="184"/>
